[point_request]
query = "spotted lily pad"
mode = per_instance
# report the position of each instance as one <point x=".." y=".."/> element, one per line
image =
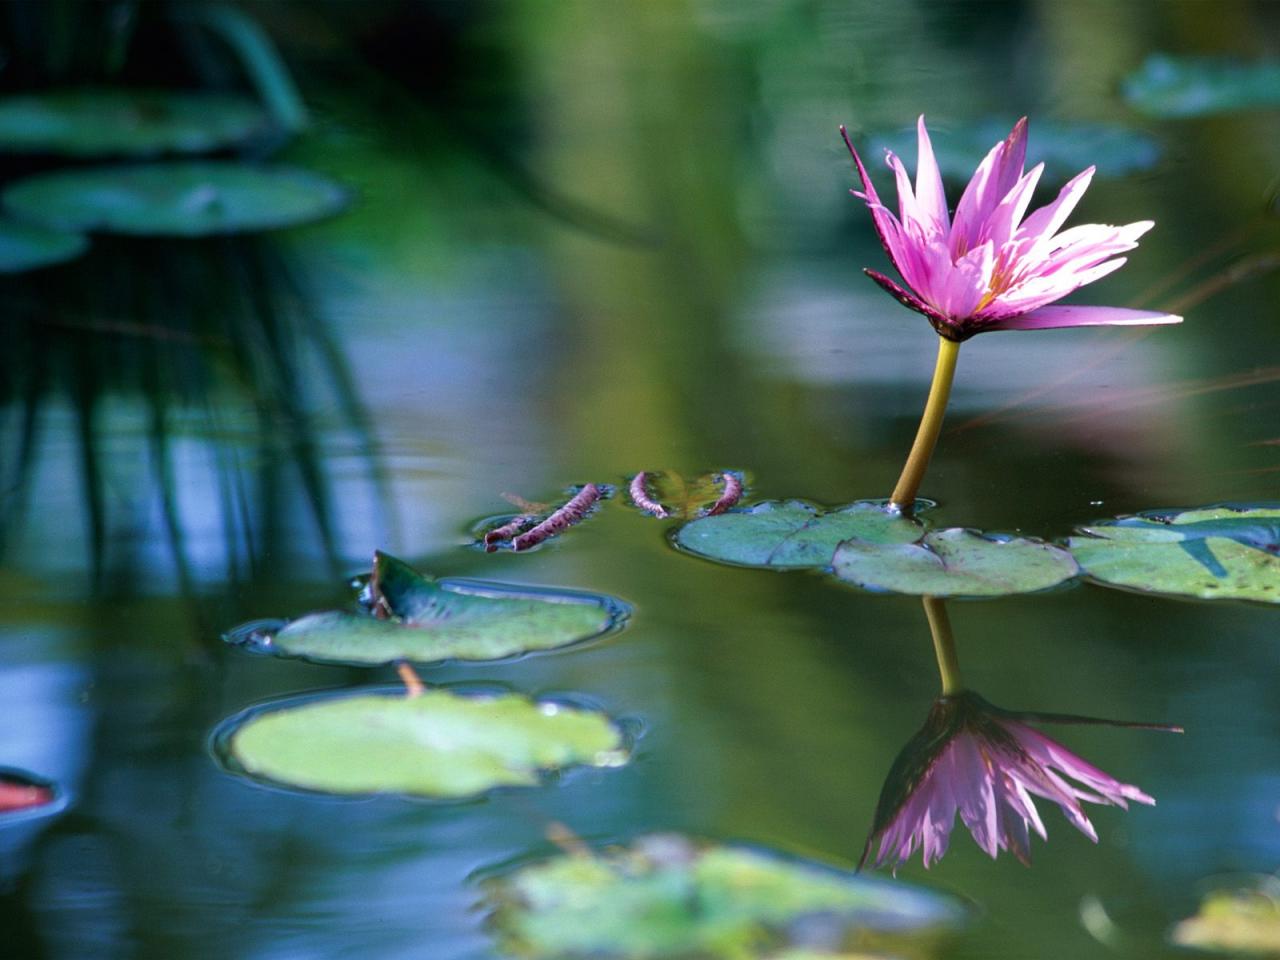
<point x="186" y="199"/>
<point x="793" y="533"/>
<point x="669" y="897"/>
<point x="119" y="122"/>
<point x="437" y="744"/>
<point x="1166" y="86"/>
<point x="1243" y="922"/>
<point x="1220" y="552"/>
<point x="1064" y="148"/>
<point x="415" y="617"/>
<point x="26" y="246"/>
<point x="955" y="562"/>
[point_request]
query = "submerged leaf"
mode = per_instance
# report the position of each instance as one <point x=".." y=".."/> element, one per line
<point x="26" y="246"/>
<point x="1220" y="552"/>
<point x="438" y="744"/>
<point x="955" y="562"/>
<point x="1243" y="922"/>
<point x="793" y="533"/>
<point x="186" y="199"/>
<point x="120" y="122"/>
<point x="424" y="620"/>
<point x="1166" y="86"/>
<point x="667" y="896"/>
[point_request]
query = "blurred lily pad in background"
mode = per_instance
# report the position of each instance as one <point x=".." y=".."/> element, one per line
<point x="131" y="123"/>
<point x="955" y="562"/>
<point x="185" y="199"/>
<point x="669" y="896"/>
<point x="1167" y="86"/>
<point x="27" y="246"/>
<point x="1242" y="922"/>
<point x="1065" y="148"/>
<point x="438" y="744"/>
<point x="1220" y="552"/>
<point x="793" y="533"/>
<point x="427" y="621"/>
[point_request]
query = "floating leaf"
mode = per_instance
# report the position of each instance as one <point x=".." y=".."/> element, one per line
<point x="665" y="493"/>
<point x="1243" y="922"/>
<point x="793" y="533"/>
<point x="666" y="896"/>
<point x="187" y="199"/>
<point x="26" y="246"/>
<point x="115" y="122"/>
<point x="1220" y="552"/>
<point x="532" y="527"/>
<point x="427" y="621"/>
<point x="955" y="562"/>
<point x="438" y="744"/>
<point x="1166" y="86"/>
<point x="1065" y="148"/>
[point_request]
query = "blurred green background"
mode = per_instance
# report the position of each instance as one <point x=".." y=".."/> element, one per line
<point x="584" y="239"/>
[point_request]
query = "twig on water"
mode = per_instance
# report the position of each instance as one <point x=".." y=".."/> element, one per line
<point x="561" y="519"/>
<point x="508" y="530"/>
<point x="640" y="496"/>
<point x="732" y="494"/>
<point x="414" y="687"/>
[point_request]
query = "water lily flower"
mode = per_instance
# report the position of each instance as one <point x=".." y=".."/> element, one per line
<point x="990" y="267"/>
<point x="986" y="764"/>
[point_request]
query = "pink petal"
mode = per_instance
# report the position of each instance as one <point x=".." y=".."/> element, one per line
<point x="930" y="197"/>
<point x="991" y="182"/>
<point x="999" y="227"/>
<point x="1052" y="317"/>
<point x="907" y="298"/>
<point x="1046" y="221"/>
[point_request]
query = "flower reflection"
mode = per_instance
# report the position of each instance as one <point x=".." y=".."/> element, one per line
<point x="986" y="764"/>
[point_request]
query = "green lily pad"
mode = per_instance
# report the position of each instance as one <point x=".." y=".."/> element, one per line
<point x="1220" y="552"/>
<point x="793" y="533"/>
<point x="437" y="744"/>
<point x="1064" y="148"/>
<point x="955" y="563"/>
<point x="182" y="199"/>
<point x="667" y="896"/>
<point x="418" y="618"/>
<point x="1243" y="922"/>
<point x="117" y="122"/>
<point x="26" y="246"/>
<point x="1166" y="86"/>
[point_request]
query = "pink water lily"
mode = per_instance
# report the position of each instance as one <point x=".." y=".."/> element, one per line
<point x="985" y="764"/>
<point x="989" y="268"/>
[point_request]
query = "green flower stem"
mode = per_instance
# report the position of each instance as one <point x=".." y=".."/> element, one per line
<point x="904" y="494"/>
<point x="944" y="645"/>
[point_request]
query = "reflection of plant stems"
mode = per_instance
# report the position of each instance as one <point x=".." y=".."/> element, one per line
<point x="904" y="494"/>
<point x="944" y="645"/>
<point x="413" y="684"/>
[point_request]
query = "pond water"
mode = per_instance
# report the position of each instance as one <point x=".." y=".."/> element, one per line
<point x="586" y="242"/>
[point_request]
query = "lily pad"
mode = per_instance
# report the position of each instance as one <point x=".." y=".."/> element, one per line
<point x="668" y="896"/>
<point x="793" y="533"/>
<point x="1166" y="86"/>
<point x="1064" y="148"/>
<point x="120" y="122"/>
<point x="1243" y="922"/>
<point x="955" y="562"/>
<point x="437" y="744"/>
<point x="26" y="246"/>
<point x="1220" y="552"/>
<point x="418" y="618"/>
<point x="182" y="199"/>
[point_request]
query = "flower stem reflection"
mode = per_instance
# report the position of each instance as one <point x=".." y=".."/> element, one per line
<point x="986" y="764"/>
